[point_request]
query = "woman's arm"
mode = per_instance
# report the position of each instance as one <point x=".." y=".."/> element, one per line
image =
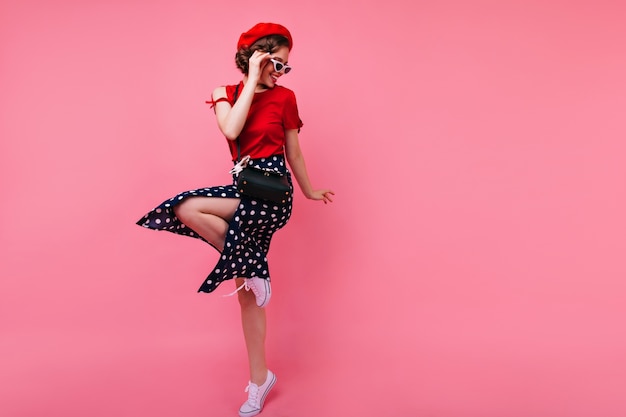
<point x="231" y="119"/>
<point x="298" y="168"/>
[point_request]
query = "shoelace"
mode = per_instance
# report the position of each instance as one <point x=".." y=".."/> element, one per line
<point x="244" y="285"/>
<point x="253" y="394"/>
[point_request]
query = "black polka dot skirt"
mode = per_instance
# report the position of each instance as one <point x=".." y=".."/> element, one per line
<point x="249" y="232"/>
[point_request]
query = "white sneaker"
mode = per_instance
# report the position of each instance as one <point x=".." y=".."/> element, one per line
<point x="261" y="288"/>
<point x="257" y="395"/>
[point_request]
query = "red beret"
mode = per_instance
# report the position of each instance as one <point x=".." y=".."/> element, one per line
<point x="261" y="30"/>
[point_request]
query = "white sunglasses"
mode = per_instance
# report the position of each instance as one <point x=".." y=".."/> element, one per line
<point x="279" y="66"/>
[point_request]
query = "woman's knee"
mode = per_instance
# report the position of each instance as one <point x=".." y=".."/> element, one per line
<point x="190" y="208"/>
<point x="183" y="211"/>
<point x="193" y="207"/>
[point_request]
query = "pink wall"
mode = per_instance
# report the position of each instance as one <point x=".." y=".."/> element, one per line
<point x="472" y="264"/>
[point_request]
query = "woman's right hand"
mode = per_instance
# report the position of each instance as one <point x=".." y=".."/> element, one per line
<point x="256" y="63"/>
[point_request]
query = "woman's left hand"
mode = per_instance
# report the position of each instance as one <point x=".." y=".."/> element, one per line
<point x="323" y="195"/>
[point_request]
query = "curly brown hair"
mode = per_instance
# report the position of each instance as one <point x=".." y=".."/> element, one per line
<point x="266" y="44"/>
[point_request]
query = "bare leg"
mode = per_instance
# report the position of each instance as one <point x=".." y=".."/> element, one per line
<point x="254" y="330"/>
<point x="209" y="217"/>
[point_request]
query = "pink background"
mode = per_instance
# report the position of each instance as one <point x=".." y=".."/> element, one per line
<point x="472" y="264"/>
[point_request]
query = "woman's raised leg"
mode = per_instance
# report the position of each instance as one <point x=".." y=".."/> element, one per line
<point x="208" y="217"/>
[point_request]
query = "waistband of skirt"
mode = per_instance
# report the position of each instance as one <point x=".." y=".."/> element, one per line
<point x="276" y="163"/>
<point x="280" y="156"/>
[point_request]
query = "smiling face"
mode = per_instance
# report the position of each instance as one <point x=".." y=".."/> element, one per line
<point x="270" y="76"/>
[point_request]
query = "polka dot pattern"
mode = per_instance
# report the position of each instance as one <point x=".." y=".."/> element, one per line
<point x="249" y="233"/>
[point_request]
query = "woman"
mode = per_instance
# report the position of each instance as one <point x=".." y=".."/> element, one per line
<point x="259" y="119"/>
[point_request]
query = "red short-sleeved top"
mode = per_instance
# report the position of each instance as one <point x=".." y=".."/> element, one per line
<point x="271" y="113"/>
